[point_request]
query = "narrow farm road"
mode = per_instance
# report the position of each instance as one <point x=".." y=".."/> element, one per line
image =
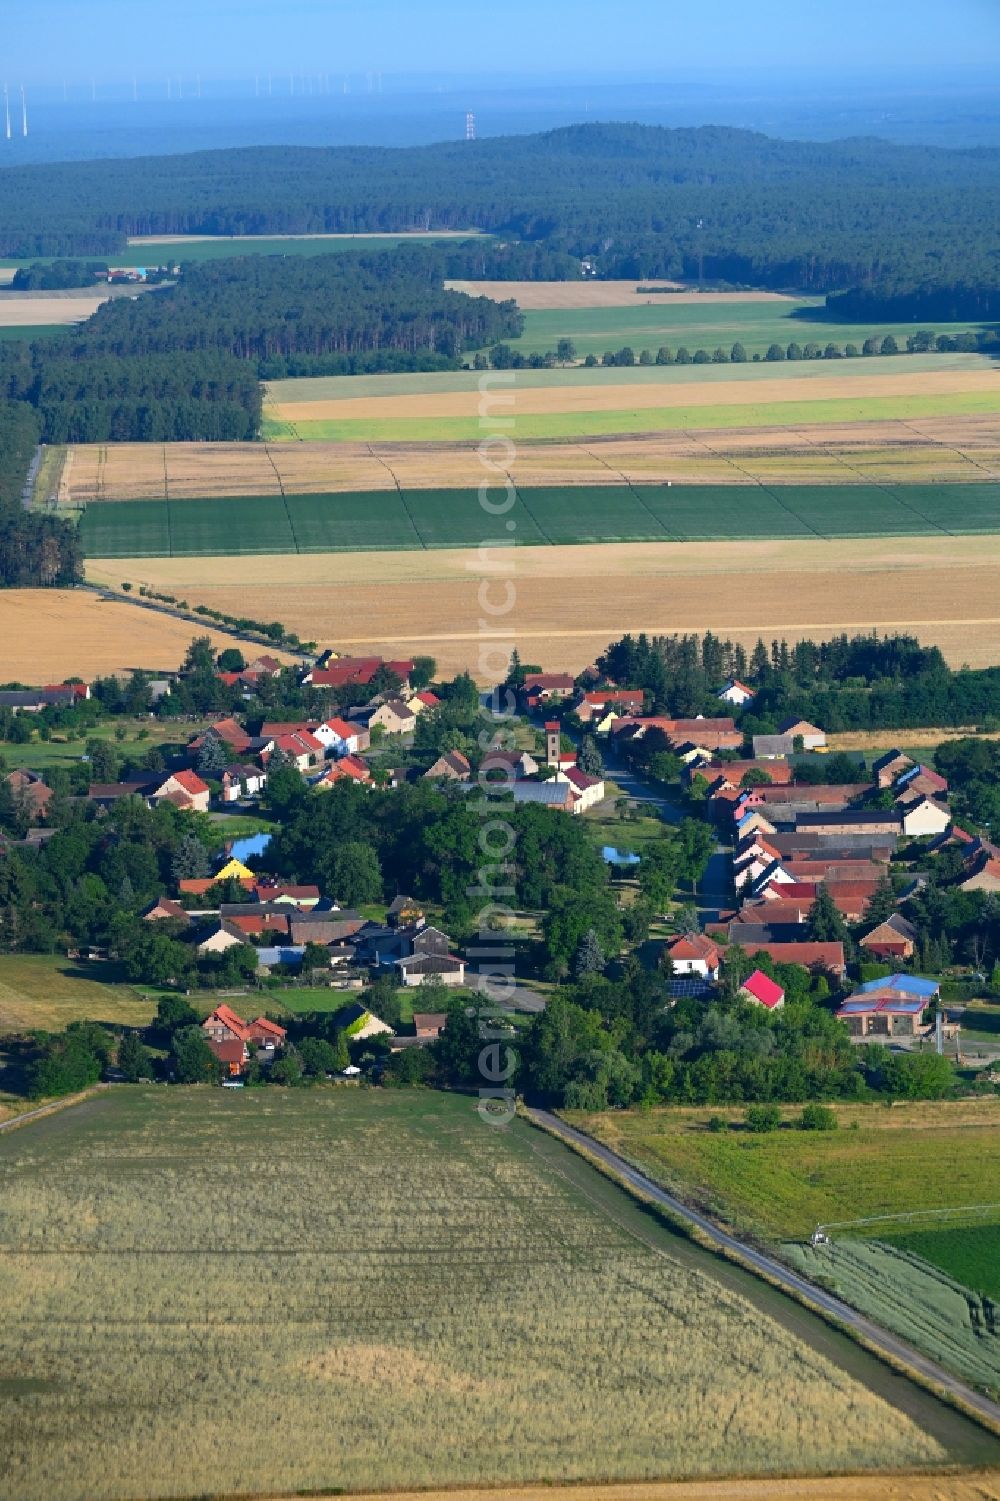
<point x="880" y="1339"/>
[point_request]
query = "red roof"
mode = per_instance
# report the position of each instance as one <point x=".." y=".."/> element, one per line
<point x="228" y="730"/>
<point x="763" y="989"/>
<point x="227" y="1016"/>
<point x="821" y="955"/>
<point x="340" y="728"/>
<point x="191" y="782"/>
<point x="274" y="727"/>
<point x="615" y="696"/>
<point x="547" y="681"/>
<point x="264" y="1024"/>
<point x="428" y="699"/>
<point x="230" y="1050"/>
<point x="266" y="891"/>
<point x="198" y="886"/>
<point x="694" y="946"/>
<point x="361" y="670"/>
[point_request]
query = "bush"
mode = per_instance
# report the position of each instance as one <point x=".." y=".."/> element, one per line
<point x="717" y="1123"/>
<point x="817" y="1118"/>
<point x="761" y="1118"/>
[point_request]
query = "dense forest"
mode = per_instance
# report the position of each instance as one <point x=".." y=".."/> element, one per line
<point x="184" y="363"/>
<point x="848" y="683"/>
<point x="646" y="201"/>
<point x="34" y="550"/>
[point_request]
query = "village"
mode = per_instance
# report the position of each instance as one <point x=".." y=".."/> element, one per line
<point x="817" y="874"/>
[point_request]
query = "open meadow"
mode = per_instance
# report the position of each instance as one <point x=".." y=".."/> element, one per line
<point x="592" y="293"/>
<point x="52" y="634"/>
<point x="571" y="601"/>
<point x="49" y="991"/>
<point x="421" y="1298"/>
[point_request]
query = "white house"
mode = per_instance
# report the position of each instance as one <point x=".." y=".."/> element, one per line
<point x="694" y="954"/>
<point x="922" y="816"/>
<point x="736" y="693"/>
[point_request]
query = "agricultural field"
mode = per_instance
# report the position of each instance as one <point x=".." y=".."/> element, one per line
<point x="52" y="634"/>
<point x="596" y="411"/>
<point x="781" y="1185"/>
<point x="602" y="294"/>
<point x="391" y="520"/>
<point x="902" y="1291"/>
<point x="49" y="991"/>
<point x="356" y="1270"/>
<point x="571" y="601"/>
<point x="703" y="322"/>
<point x="936" y="451"/>
<point x="24" y="310"/>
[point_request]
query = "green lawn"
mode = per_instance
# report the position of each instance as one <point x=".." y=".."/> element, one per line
<point x="41" y="755"/>
<point x="655" y="321"/>
<point x="424" y="1300"/>
<point x="387" y="519"/>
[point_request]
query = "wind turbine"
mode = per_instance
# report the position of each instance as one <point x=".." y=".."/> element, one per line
<point x="6" y="109"/>
<point x="24" y="113"/>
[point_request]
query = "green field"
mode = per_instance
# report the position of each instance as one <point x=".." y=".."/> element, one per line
<point x="32" y="331"/>
<point x="583" y="424"/>
<point x="395" y="1294"/>
<point x="160" y="252"/>
<point x="662" y="320"/>
<point x="969" y="1253"/>
<point x="781" y="1185"/>
<point x="390" y="520"/>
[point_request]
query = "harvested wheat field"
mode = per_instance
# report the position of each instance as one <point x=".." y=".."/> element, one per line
<point x="21" y="310"/>
<point x="932" y="450"/>
<point x="569" y="602"/>
<point x="52" y="634"/>
<point x="600" y="396"/>
<point x="534" y="295"/>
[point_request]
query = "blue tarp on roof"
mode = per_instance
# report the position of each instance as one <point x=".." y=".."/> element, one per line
<point x="909" y="984"/>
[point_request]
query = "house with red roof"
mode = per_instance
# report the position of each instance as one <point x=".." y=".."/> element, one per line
<point x="695" y="954"/>
<point x="762" y="990"/>
<point x="350" y="768"/>
<point x="825" y="958"/>
<point x="343" y="737"/>
<point x="547" y="687"/>
<point x="351" y="672"/>
<point x="232" y="735"/>
<point x="893" y="939"/>
<point x="185" y="788"/>
<point x="598" y="702"/>
<point x="165" y="910"/>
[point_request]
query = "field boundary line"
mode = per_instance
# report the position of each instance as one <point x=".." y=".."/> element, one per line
<point x="758" y="484"/>
<point x="671" y="536"/>
<point x="876" y="484"/>
<point x="546" y="539"/>
<point x="890" y="1348"/>
<point x="399" y="491"/>
<point x="908" y="422"/>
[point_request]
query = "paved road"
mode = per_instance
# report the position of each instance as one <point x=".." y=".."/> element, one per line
<point x="879" y="1338"/>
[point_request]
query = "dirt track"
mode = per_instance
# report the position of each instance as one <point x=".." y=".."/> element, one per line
<point x="970" y="1485"/>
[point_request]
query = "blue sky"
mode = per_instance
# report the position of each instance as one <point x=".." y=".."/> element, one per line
<point x="44" y="41"/>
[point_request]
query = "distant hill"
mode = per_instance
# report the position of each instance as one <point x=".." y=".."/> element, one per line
<point x="644" y="200"/>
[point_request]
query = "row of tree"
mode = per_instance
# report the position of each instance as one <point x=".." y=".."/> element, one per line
<point x="849" y="682"/>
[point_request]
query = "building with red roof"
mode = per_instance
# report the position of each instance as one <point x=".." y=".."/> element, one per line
<point x="764" y="991"/>
<point x="694" y="954"/>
